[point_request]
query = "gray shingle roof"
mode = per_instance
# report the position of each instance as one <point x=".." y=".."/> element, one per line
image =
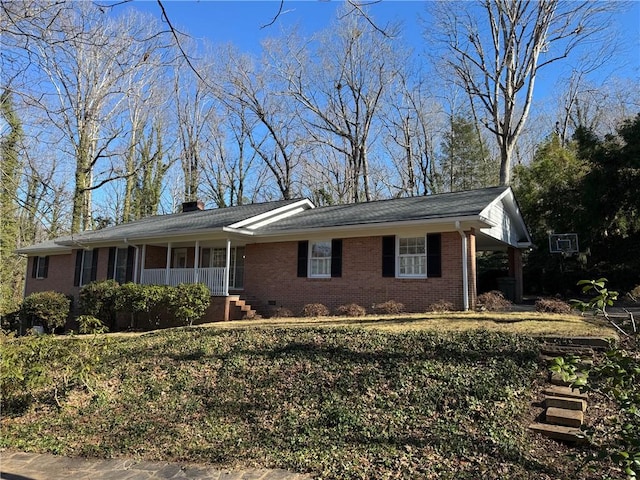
<point x="177" y="223"/>
<point x="441" y="206"/>
<point x="445" y="205"/>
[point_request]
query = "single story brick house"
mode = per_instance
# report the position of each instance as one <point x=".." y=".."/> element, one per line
<point x="289" y="253"/>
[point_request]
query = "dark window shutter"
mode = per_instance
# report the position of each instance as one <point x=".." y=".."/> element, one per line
<point x="112" y="259"/>
<point x="303" y="252"/>
<point x="131" y="256"/>
<point x="336" y="257"/>
<point x="34" y="268"/>
<point x="45" y="272"/>
<point x="389" y="256"/>
<point x="76" y="278"/>
<point x="94" y="264"/>
<point x="434" y="255"/>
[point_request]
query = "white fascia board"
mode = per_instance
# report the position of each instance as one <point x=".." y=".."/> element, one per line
<point x="209" y="234"/>
<point x="33" y="251"/>
<point x="274" y="215"/>
<point x="443" y="224"/>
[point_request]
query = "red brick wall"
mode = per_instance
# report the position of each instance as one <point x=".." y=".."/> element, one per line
<point x="271" y="275"/>
<point x="59" y="277"/>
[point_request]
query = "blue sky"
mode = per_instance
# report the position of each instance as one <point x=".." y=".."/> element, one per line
<point x="241" y="23"/>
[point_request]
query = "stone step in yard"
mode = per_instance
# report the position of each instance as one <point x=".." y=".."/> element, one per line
<point x="565" y="406"/>
<point x="566" y="403"/>
<point x="558" y="432"/>
<point x="564" y="417"/>
<point x="567" y="392"/>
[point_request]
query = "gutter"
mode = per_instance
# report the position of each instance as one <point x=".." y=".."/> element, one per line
<point x="465" y="268"/>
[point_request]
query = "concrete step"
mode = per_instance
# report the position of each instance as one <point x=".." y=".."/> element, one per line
<point x="566" y="350"/>
<point x="555" y="378"/>
<point x="559" y="432"/>
<point x="584" y="362"/>
<point x="566" y="403"/>
<point x="598" y="343"/>
<point x="568" y="392"/>
<point x="562" y="416"/>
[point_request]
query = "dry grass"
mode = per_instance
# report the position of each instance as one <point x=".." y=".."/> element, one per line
<point x="526" y="323"/>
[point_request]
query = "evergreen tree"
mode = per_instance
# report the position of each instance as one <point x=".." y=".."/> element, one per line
<point x="464" y="161"/>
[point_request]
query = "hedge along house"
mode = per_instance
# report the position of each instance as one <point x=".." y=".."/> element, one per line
<point x="288" y="253"/>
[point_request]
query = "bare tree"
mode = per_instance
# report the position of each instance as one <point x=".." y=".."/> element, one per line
<point x="496" y="49"/>
<point x="252" y="90"/>
<point x="414" y="121"/>
<point x="343" y="92"/>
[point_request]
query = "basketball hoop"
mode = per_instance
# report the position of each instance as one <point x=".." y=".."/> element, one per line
<point x="565" y="244"/>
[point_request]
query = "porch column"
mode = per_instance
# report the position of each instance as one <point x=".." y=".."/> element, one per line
<point x="227" y="270"/>
<point x="515" y="271"/>
<point x="196" y="262"/>
<point x="144" y="256"/>
<point x="168" y="264"/>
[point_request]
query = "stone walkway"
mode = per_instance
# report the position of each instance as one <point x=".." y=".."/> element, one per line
<point x="34" y="466"/>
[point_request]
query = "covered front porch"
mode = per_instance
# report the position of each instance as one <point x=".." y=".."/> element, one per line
<point x="219" y="265"/>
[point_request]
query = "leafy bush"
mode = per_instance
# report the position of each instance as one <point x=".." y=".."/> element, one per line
<point x="351" y="310"/>
<point x="50" y="309"/>
<point x="144" y="302"/>
<point x="390" y="307"/>
<point x="99" y="299"/>
<point x="493" y="301"/>
<point x="91" y="324"/>
<point x="188" y="302"/>
<point x="552" y="305"/>
<point x="315" y="310"/>
<point x="441" y="306"/>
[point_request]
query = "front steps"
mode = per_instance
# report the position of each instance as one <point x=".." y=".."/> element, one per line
<point x="564" y="406"/>
<point x="239" y="309"/>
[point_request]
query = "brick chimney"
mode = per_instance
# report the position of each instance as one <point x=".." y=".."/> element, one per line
<point x="192" y="206"/>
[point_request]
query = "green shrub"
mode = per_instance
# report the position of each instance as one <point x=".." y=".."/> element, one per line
<point x="44" y="368"/>
<point x="493" y="301"/>
<point x="188" y="302"/>
<point x="51" y="309"/>
<point x="552" y="305"/>
<point x="390" y="307"/>
<point x="98" y="299"/>
<point x="351" y="310"/>
<point x="314" y="310"/>
<point x="91" y="324"/>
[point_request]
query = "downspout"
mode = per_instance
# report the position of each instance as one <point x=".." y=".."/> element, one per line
<point x="465" y="267"/>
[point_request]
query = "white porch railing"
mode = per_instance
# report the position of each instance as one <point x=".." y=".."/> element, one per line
<point x="211" y="277"/>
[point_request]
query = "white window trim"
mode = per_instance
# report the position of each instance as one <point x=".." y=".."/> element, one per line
<point x="413" y="275"/>
<point x="310" y="274"/>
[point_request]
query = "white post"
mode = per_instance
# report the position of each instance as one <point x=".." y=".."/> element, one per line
<point x="168" y="264"/>
<point x="144" y="255"/>
<point x="465" y="274"/>
<point x="196" y="262"/>
<point x="227" y="270"/>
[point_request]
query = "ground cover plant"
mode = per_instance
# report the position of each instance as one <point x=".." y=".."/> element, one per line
<point x="336" y="402"/>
